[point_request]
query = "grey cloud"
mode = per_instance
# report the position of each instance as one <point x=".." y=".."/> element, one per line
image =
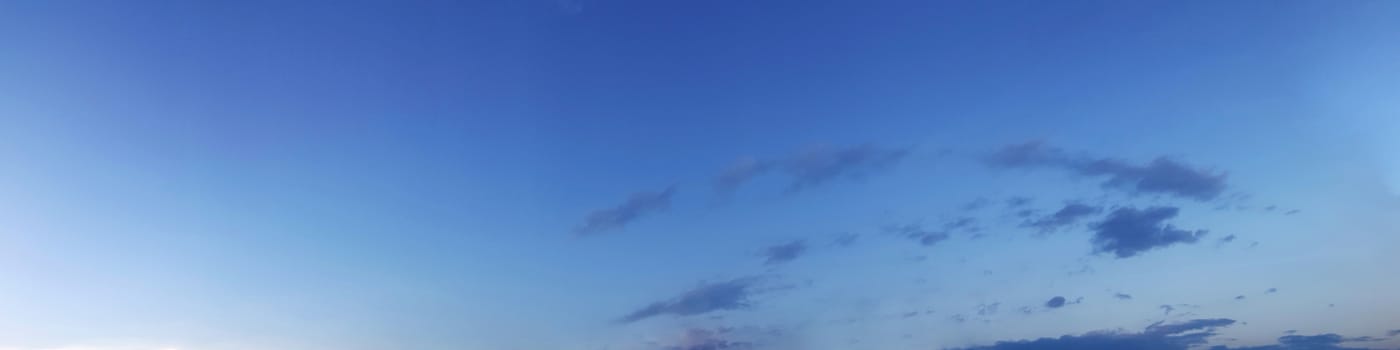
<point x="846" y="239"/>
<point x="704" y="339"/>
<point x="640" y="204"/>
<point x="710" y="297"/>
<point x="741" y="171"/>
<point x="1160" y="176"/>
<point x="1067" y="215"/>
<point x="987" y="309"/>
<point x="1016" y="202"/>
<point x="1122" y="296"/>
<point x="813" y="167"/>
<point x="1128" y="231"/>
<point x="819" y="165"/>
<point x="1055" y="302"/>
<point x="918" y="234"/>
<point x="784" y="252"/>
<point x="1392" y="333"/>
<point x="1156" y="337"/>
<point x="1327" y="341"/>
<point x="975" y="204"/>
<point x="1239" y="297"/>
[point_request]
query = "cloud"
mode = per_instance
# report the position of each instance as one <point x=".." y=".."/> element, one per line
<point x="1175" y="336"/>
<point x="846" y="239"/>
<point x="1066" y="216"/>
<point x="918" y="234"/>
<point x="1017" y="202"/>
<point x="1128" y="231"/>
<point x="784" y="252"/>
<point x="704" y="339"/>
<point x="1162" y="175"/>
<point x="1271" y="290"/>
<point x="821" y="164"/>
<point x="1392" y="333"/>
<point x="1239" y="297"/>
<point x="987" y="309"/>
<point x="813" y="167"/>
<point x="1329" y="341"/>
<point x="1122" y="296"/>
<point x="741" y="171"/>
<point x="710" y="297"/>
<point x="1179" y="336"/>
<point x="975" y="204"/>
<point x="1227" y="239"/>
<point x="1055" y="302"/>
<point x="640" y="204"/>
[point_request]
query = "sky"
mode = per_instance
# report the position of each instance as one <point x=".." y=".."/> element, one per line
<point x="699" y="175"/>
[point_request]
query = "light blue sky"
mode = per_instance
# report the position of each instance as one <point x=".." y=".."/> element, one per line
<point x="377" y="175"/>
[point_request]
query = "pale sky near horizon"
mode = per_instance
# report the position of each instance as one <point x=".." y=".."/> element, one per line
<point x="699" y="175"/>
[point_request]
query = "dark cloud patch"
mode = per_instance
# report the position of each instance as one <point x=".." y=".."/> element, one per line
<point x="1175" y="328"/>
<point x="1239" y="297"/>
<point x="1176" y="336"/>
<point x="1066" y="216"/>
<point x="704" y="339"/>
<point x="1160" y="176"/>
<point x="1392" y="333"/>
<point x="1227" y="239"/>
<point x="1271" y="291"/>
<point x="709" y="297"/>
<point x="976" y="204"/>
<point x="918" y="233"/>
<point x="1291" y="331"/>
<point x="1181" y="336"/>
<point x="1122" y="296"/>
<point x="740" y="172"/>
<point x="639" y="205"/>
<point x="988" y="309"/>
<point x="1327" y="341"/>
<point x="1291" y="212"/>
<point x="820" y="165"/>
<point x="1167" y="309"/>
<point x="1017" y="202"/>
<point x="845" y="239"/>
<point x="813" y="167"/>
<point x="784" y="252"/>
<point x="1156" y="337"/>
<point x="1128" y="231"/>
<point x="965" y="224"/>
<point x="1055" y="302"/>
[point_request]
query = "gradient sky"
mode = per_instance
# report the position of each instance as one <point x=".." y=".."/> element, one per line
<point x="688" y="175"/>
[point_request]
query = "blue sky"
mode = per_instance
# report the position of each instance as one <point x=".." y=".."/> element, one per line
<point x="645" y="175"/>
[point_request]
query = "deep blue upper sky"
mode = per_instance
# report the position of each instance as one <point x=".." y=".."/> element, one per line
<point x="686" y="175"/>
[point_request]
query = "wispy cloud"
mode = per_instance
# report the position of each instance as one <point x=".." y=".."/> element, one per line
<point x="1068" y="215"/>
<point x="1129" y="231"/>
<point x="1179" y="336"/>
<point x="812" y="167"/>
<point x="782" y="253"/>
<point x="728" y="295"/>
<point x="918" y="233"/>
<point x="638" y="205"/>
<point x="1162" y="175"/>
